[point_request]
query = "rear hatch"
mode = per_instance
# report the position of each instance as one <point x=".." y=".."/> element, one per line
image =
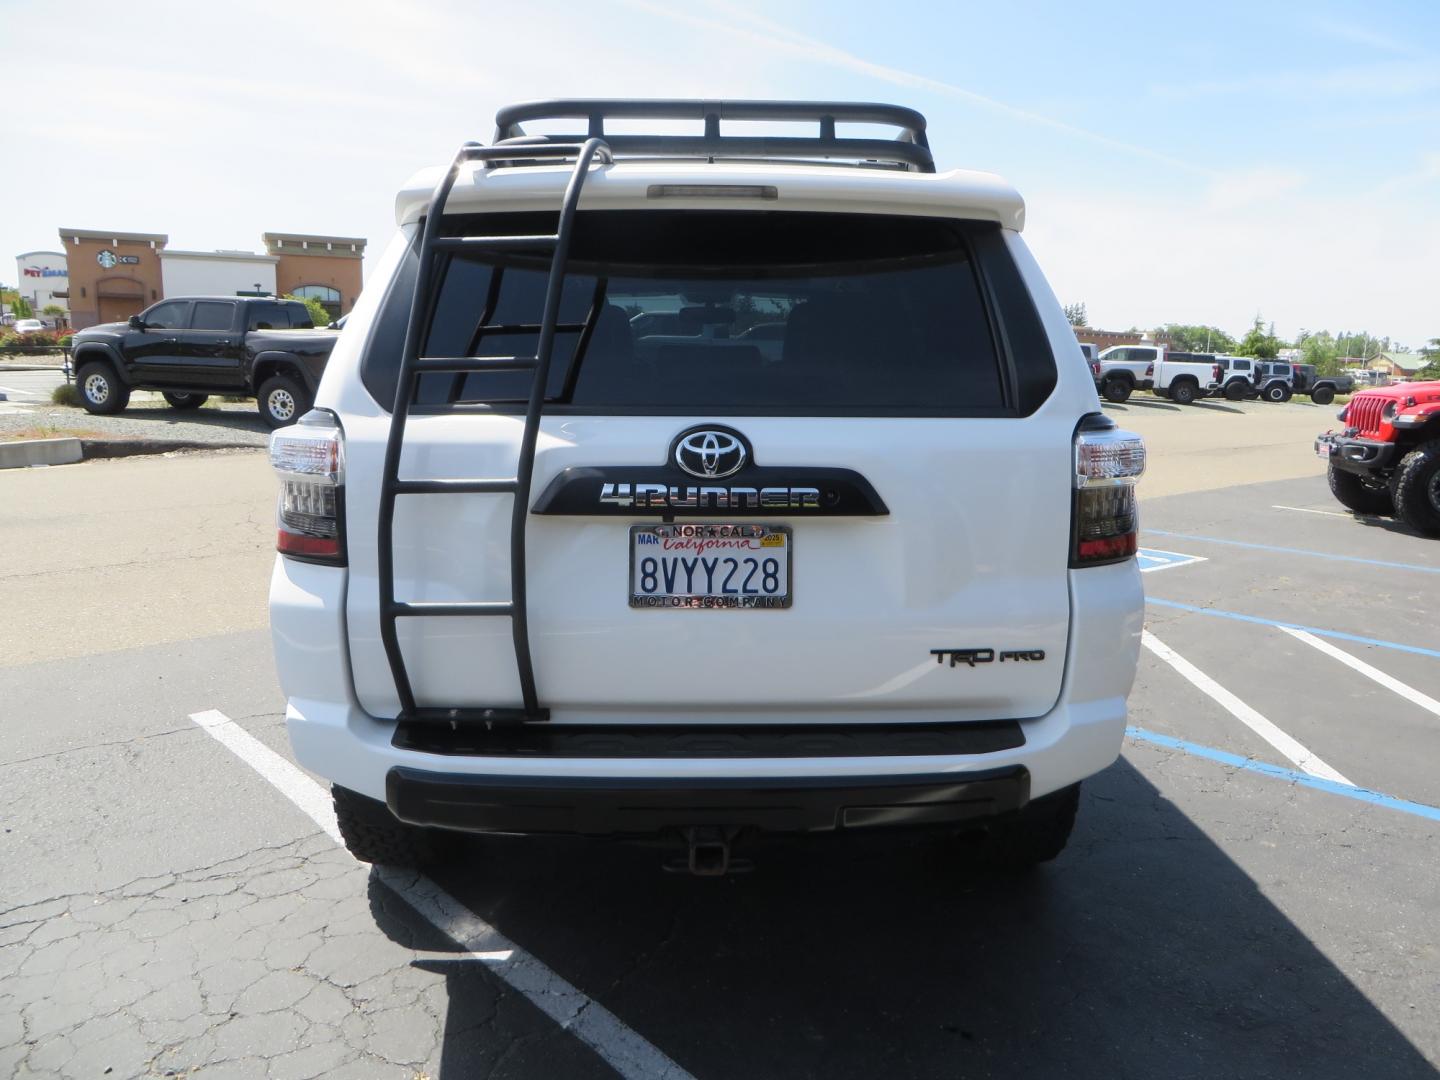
<point x="862" y="396"/>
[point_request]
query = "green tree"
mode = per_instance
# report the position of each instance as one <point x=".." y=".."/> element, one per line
<point x="1076" y="314"/>
<point x="1258" y="343"/>
<point x="1322" y="351"/>
<point x="54" y="312"/>
<point x="18" y="305"/>
<point x="319" y="314"/>
<point x="1431" y="352"/>
<point x="1193" y="338"/>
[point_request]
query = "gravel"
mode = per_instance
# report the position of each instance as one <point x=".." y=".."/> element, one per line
<point x="147" y="417"/>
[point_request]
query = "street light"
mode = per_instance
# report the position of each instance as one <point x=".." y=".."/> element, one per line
<point x="257" y="289"/>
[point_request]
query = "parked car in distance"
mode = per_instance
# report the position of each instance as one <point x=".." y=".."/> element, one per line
<point x="1185" y="378"/>
<point x="1274" y="380"/>
<point x="1321" y="389"/>
<point x="1091" y="352"/>
<point x="1124" y="369"/>
<point x="29" y="326"/>
<point x="1237" y="377"/>
<point x="189" y="347"/>
<point x="478" y="542"/>
<point x="1387" y="458"/>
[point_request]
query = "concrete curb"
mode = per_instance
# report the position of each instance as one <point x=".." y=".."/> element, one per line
<point x="118" y="448"/>
<point x="29" y="452"/>
<point x="24" y="453"/>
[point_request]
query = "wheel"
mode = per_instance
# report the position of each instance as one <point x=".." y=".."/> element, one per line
<point x="1415" y="489"/>
<point x="1183" y="392"/>
<point x="1035" y="834"/>
<point x="186" y="401"/>
<point x="1351" y="491"/>
<point x="1116" y="390"/>
<point x="100" y="391"/>
<point x="282" y="400"/>
<point x="1322" y="395"/>
<point x="372" y="834"/>
<point x="1277" y="392"/>
<point x="1235" y="391"/>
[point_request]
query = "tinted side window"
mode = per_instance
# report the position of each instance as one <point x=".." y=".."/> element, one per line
<point x="299" y="316"/>
<point x="268" y="316"/>
<point x="171" y="315"/>
<point x="212" y="315"/>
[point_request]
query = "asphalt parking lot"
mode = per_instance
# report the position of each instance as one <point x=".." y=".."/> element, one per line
<point x="1253" y="889"/>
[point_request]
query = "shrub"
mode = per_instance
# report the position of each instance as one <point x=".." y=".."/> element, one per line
<point x="65" y="394"/>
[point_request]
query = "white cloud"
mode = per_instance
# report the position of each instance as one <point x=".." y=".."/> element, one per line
<point x="1395" y="79"/>
<point x="775" y="37"/>
<point x="1233" y="190"/>
<point x="1304" y="262"/>
<point x="1364" y="35"/>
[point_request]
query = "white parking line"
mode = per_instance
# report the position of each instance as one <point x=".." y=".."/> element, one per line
<point x="1409" y="693"/>
<point x="1303" y="758"/>
<point x="1307" y="510"/>
<point x="624" y="1050"/>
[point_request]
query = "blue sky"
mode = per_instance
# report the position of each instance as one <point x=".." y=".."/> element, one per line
<point x="1192" y="163"/>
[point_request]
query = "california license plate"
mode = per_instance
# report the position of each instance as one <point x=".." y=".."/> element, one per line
<point x="709" y="566"/>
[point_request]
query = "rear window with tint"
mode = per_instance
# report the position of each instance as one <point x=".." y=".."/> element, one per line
<point x="734" y="312"/>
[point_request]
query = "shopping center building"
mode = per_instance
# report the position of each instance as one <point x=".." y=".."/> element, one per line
<point x="113" y="275"/>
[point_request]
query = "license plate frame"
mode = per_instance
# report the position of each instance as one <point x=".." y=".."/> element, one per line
<point x="723" y="534"/>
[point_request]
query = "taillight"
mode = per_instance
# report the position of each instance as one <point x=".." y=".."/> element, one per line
<point x="1219" y="372"/>
<point x="309" y="461"/>
<point x="1105" y="518"/>
<point x="1149" y="370"/>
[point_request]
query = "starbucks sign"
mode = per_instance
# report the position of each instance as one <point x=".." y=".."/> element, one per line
<point x="108" y="259"/>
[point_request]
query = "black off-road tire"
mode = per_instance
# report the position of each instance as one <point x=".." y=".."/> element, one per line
<point x="1235" y="391"/>
<point x="282" y="400"/>
<point x="1184" y="392"/>
<point x="1278" y="393"/>
<point x="372" y="834"/>
<point x="1116" y="391"/>
<point x="101" y="391"/>
<point x="1415" y="489"/>
<point x="1354" y="494"/>
<point x="1035" y="834"/>
<point x="1322" y="395"/>
<point x="185" y="401"/>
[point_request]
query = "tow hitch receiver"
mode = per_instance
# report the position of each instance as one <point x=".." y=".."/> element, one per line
<point x="709" y="852"/>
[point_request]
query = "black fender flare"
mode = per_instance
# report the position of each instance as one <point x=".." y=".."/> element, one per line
<point x="99" y="350"/>
<point x="275" y="361"/>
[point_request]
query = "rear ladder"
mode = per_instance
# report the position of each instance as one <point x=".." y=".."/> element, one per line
<point x="433" y="248"/>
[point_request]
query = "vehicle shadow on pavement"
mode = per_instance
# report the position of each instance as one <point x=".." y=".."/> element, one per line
<point x="1133" y="402"/>
<point x="234" y="419"/>
<point x="1143" y="951"/>
<point x="1215" y="406"/>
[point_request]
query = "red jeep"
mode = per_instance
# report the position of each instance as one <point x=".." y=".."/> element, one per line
<point x="1387" y="460"/>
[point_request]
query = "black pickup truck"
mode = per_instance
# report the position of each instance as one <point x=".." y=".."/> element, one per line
<point x="1321" y="388"/>
<point x="190" y="347"/>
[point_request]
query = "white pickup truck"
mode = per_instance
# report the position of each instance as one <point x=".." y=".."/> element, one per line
<point x="1179" y="376"/>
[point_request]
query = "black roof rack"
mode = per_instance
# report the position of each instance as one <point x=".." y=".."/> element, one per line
<point x="910" y="150"/>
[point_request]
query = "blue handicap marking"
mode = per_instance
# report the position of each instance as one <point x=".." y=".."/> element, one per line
<point x="1152" y="559"/>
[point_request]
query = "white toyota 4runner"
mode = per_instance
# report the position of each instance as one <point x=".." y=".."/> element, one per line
<point x="565" y="550"/>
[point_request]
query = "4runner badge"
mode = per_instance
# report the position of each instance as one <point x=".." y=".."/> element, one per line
<point x="971" y="657"/>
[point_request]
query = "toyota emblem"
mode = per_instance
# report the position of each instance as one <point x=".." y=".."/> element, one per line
<point x="711" y="453"/>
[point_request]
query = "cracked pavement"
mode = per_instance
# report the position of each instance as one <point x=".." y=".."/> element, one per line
<point x="164" y="911"/>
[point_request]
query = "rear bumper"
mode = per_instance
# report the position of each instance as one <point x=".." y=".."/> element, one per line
<point x="609" y="806"/>
<point x="1353" y="454"/>
<point x="834" y="783"/>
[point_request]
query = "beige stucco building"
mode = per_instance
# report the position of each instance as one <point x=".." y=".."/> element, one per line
<point x="113" y="275"/>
